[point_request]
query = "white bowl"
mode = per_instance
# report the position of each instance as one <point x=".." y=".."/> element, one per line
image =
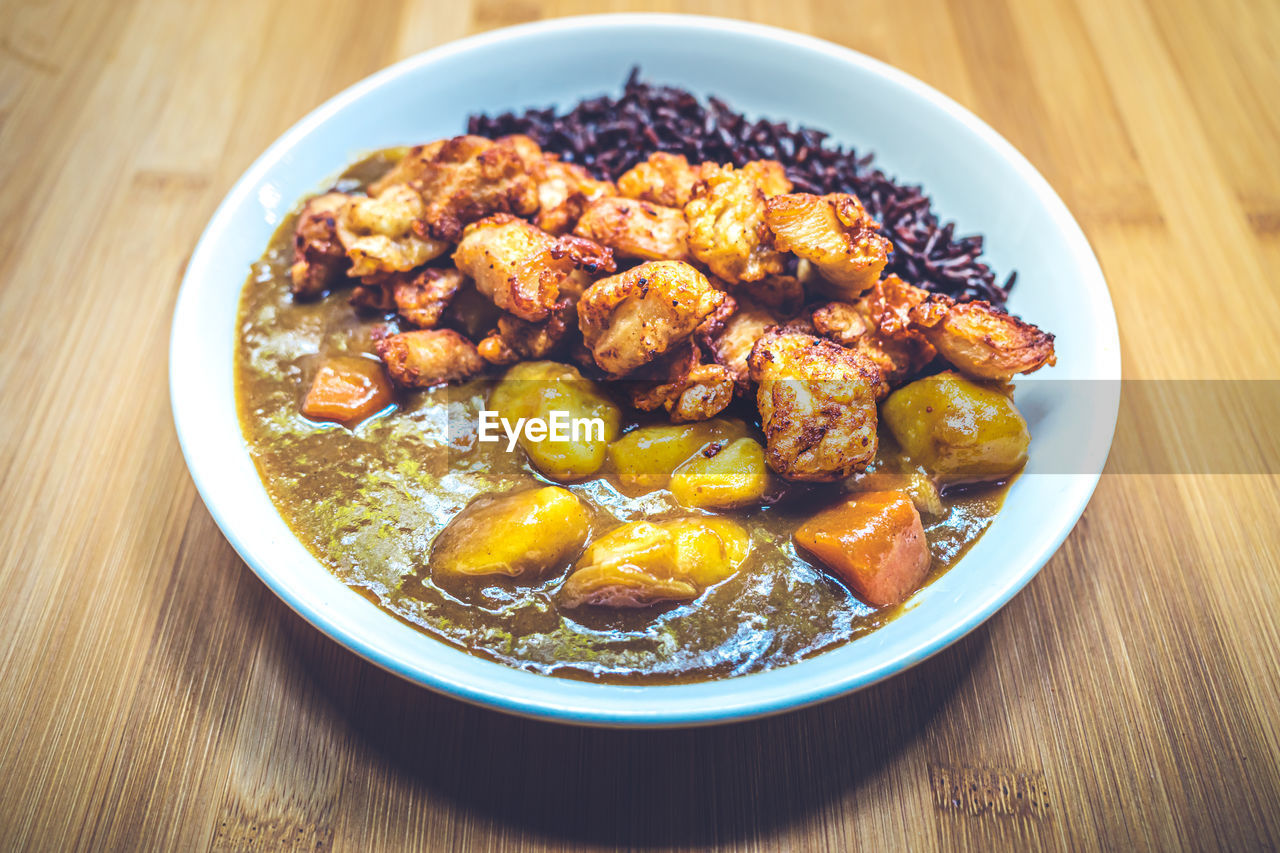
<point x="973" y="175"/>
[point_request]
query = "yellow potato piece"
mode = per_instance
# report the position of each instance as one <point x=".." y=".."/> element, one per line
<point x="537" y="389"/>
<point x="526" y="534"/>
<point x="956" y="429"/>
<point x="735" y="476"/>
<point x="644" y="459"/>
<point x="643" y="562"/>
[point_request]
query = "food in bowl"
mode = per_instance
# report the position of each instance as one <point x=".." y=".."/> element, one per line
<point x="564" y="396"/>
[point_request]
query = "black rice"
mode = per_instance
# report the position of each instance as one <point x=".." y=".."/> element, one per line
<point x="610" y="135"/>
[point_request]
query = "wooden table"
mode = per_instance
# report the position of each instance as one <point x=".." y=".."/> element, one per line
<point x="155" y="695"/>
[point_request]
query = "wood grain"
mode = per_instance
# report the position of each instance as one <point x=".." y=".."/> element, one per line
<point x="156" y="696"/>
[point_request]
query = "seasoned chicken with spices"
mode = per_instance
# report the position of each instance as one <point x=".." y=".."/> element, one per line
<point x="630" y="319"/>
<point x="817" y="404"/>
<point x="981" y="340"/>
<point x="835" y="234"/>
<point x="319" y="260"/>
<point x="525" y="270"/>
<point x="427" y="357"/>
<point x="378" y="233"/>
<point x="685" y="387"/>
<point x="664" y="178"/>
<point x="636" y="229"/>
<point x="726" y="218"/>
<point x="515" y="339"/>
<point x="564" y="192"/>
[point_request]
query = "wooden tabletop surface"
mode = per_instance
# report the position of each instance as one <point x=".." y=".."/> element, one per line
<point x="155" y="695"/>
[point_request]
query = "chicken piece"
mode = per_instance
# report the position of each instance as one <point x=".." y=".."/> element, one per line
<point x="373" y="295"/>
<point x="664" y="178"/>
<point x="726" y="217"/>
<point x="378" y="233"/>
<point x="564" y="192"/>
<point x="835" y="234"/>
<point x="630" y="319"/>
<point x="636" y="229"/>
<point x="732" y="346"/>
<point x="689" y="390"/>
<point x="427" y="357"/>
<point x="840" y="322"/>
<point x="982" y="341"/>
<point x="878" y="326"/>
<point x="466" y="178"/>
<point x="817" y="405"/>
<point x="523" y="269"/>
<point x="783" y="294"/>
<point x="421" y="297"/>
<point x="515" y="339"/>
<point x="319" y="261"/>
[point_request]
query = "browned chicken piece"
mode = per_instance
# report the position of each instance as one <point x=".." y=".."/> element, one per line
<point x="732" y="346"/>
<point x="564" y="191"/>
<point x="515" y="339"/>
<point x="726" y="217"/>
<point x="877" y="326"/>
<point x="525" y="270"/>
<point x="817" y="405"/>
<point x="319" y="261"/>
<point x="378" y="233"/>
<point x="467" y="178"/>
<point x="714" y="322"/>
<point x="783" y="294"/>
<point x="471" y="312"/>
<point x="373" y="295"/>
<point x="421" y="297"/>
<point x="636" y="229"/>
<point x="412" y="164"/>
<point x="686" y="388"/>
<point x="840" y="322"/>
<point x="664" y="178"/>
<point x="981" y="340"/>
<point x="427" y="357"/>
<point x="835" y="234"/>
<point x="632" y="318"/>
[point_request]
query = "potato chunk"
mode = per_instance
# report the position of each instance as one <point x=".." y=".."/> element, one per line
<point x="835" y="234"/>
<point x="427" y="357"/>
<point x="347" y="389"/>
<point x="722" y="476"/>
<point x="523" y="269"/>
<point x="645" y="458"/>
<point x="726" y="217"/>
<point x="817" y="405"/>
<point x="874" y="542"/>
<point x="636" y="229"/>
<point x="529" y="535"/>
<point x="664" y="178"/>
<point x="536" y="389"/>
<point x="630" y="319"/>
<point x="958" y="430"/>
<point x="379" y="236"/>
<point x="643" y="563"/>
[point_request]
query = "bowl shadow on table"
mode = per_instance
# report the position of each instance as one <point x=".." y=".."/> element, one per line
<point x="655" y="787"/>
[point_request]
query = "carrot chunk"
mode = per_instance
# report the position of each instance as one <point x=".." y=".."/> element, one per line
<point x="874" y="542"/>
<point x="347" y="389"/>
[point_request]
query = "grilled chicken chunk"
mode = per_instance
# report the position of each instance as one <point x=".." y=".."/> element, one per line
<point x="427" y="357"/>
<point x="877" y="325"/>
<point x="835" y="234"/>
<point x="378" y="233"/>
<point x="466" y="178"/>
<point x="726" y="217"/>
<point x="421" y="297"/>
<point x="817" y="405"/>
<point x="982" y="341"/>
<point x="664" y="178"/>
<point x="688" y="389"/>
<point x="525" y="270"/>
<point x="636" y="229"/>
<point x="564" y="191"/>
<point x="630" y="319"/>
<point x="515" y="339"/>
<point x="731" y="347"/>
<point x="319" y="260"/>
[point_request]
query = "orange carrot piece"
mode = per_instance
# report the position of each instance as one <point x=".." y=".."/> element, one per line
<point x="873" y="542"/>
<point x="347" y="389"/>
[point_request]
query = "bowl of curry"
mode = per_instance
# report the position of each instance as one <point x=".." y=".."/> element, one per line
<point x="661" y="421"/>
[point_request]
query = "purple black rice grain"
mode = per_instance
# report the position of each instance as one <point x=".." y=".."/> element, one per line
<point x="610" y="135"/>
